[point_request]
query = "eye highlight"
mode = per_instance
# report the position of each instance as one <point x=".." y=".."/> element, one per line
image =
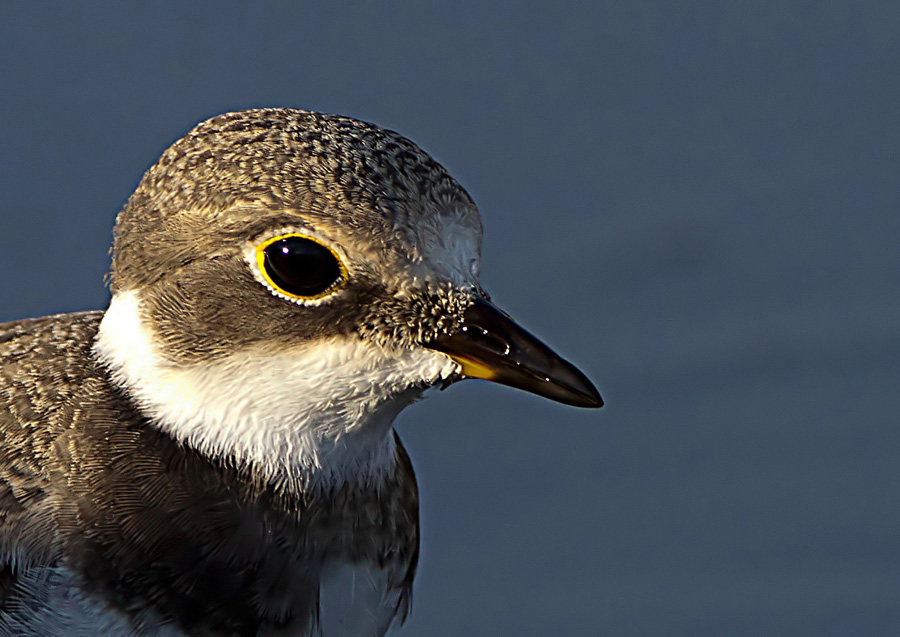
<point x="299" y="267"/>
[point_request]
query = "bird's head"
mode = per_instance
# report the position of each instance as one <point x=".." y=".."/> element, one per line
<point x="287" y="280"/>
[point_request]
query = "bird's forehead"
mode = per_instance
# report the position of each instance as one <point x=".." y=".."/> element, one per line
<point x="448" y="246"/>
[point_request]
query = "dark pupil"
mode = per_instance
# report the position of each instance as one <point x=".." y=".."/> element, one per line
<point x="300" y="266"/>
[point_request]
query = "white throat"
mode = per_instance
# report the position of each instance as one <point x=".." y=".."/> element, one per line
<point x="316" y="415"/>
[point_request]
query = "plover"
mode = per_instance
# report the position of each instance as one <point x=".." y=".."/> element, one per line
<point x="214" y="454"/>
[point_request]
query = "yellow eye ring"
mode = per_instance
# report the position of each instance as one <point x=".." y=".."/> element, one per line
<point x="298" y="267"/>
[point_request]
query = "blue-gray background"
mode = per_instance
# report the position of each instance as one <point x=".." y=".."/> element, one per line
<point x="696" y="202"/>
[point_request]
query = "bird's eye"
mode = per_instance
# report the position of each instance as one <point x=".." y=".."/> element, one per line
<point x="300" y="267"/>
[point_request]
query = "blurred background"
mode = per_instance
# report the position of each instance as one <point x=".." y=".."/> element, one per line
<point x="695" y="202"/>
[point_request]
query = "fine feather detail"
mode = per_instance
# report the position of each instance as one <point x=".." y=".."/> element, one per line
<point x="319" y="413"/>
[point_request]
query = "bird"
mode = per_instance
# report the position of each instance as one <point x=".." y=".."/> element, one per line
<point x="214" y="453"/>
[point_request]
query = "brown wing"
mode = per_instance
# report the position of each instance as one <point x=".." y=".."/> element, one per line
<point x="40" y="373"/>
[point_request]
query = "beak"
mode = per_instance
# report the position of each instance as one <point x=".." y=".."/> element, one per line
<point x="492" y="346"/>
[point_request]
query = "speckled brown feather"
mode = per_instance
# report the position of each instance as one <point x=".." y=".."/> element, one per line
<point x="365" y="178"/>
<point x="156" y="531"/>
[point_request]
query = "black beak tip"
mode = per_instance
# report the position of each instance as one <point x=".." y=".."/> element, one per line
<point x="578" y="391"/>
<point x="593" y="401"/>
